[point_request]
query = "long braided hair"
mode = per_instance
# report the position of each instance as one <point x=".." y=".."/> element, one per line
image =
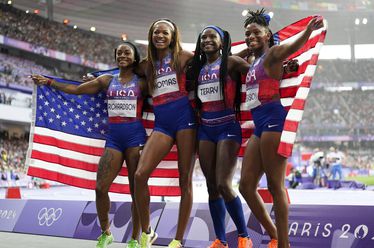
<point x="199" y="61"/>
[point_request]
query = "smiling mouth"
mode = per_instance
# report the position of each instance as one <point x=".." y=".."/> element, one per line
<point x="208" y="45"/>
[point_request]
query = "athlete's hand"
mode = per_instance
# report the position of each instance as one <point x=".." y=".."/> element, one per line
<point x="40" y="80"/>
<point x="315" y="23"/>
<point x="88" y="77"/>
<point x="291" y="66"/>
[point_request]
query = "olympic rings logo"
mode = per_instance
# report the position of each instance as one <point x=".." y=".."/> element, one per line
<point x="49" y="216"/>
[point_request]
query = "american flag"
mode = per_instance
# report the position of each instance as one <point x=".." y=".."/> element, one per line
<point x="68" y="131"/>
<point x="67" y="139"/>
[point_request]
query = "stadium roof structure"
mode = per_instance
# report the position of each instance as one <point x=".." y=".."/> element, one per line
<point x="133" y="17"/>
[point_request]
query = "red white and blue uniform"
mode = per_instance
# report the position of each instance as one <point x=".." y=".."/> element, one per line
<point x="218" y="119"/>
<point x="171" y="106"/>
<point x="262" y="97"/>
<point x="125" y="104"/>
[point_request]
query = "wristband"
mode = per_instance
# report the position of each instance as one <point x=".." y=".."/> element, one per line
<point x="49" y="82"/>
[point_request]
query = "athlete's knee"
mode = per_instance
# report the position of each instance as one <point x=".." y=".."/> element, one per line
<point x="225" y="189"/>
<point x="247" y="186"/>
<point x="212" y="190"/>
<point x="185" y="183"/>
<point x="276" y="188"/>
<point x="140" y="177"/>
<point x="101" y="190"/>
<point x="133" y="158"/>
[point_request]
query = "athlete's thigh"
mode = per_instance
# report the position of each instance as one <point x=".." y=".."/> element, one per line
<point x="252" y="167"/>
<point x="186" y="145"/>
<point x="132" y="155"/>
<point x="227" y="151"/>
<point x="274" y="164"/>
<point x="156" y="148"/>
<point x="207" y="159"/>
<point x="109" y="166"/>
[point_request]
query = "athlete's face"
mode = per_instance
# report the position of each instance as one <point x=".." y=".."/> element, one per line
<point x="125" y="56"/>
<point x="162" y="36"/>
<point x="210" y="41"/>
<point x="256" y="36"/>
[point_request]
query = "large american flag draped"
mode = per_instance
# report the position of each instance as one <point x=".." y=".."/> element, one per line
<point x="68" y="132"/>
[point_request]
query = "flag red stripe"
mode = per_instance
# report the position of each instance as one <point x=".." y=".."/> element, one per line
<point x="157" y="173"/>
<point x="91" y="184"/>
<point x="68" y="162"/>
<point x="62" y="178"/>
<point x="52" y="141"/>
<point x="72" y="163"/>
<point x="285" y="149"/>
<point x="291" y="126"/>
<point x="311" y="43"/>
<point x="298" y="104"/>
<point x="294" y="28"/>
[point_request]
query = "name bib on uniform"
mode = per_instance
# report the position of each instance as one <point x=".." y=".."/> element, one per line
<point x="166" y="84"/>
<point x="122" y="108"/>
<point x="210" y="92"/>
<point x="251" y="100"/>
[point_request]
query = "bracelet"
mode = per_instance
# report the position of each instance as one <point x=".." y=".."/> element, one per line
<point x="49" y="82"/>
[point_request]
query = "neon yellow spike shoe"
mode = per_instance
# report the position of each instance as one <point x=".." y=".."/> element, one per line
<point x="146" y="240"/>
<point x="104" y="240"/>
<point x="175" y="244"/>
<point x="133" y="244"/>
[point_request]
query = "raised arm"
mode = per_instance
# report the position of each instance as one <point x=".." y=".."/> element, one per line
<point x="282" y="52"/>
<point x="90" y="87"/>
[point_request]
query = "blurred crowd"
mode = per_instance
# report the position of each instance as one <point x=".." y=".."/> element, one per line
<point x="13" y="155"/>
<point x="39" y="31"/>
<point x="332" y="113"/>
<point x="337" y="71"/>
<point x="15" y="70"/>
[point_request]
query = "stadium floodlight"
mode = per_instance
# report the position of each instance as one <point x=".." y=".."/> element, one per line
<point x="357" y="21"/>
<point x="244" y="12"/>
<point x="93" y="29"/>
<point x="9" y="2"/>
<point x="75" y="26"/>
<point x="364" y="21"/>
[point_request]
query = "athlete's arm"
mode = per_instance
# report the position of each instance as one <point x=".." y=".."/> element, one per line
<point x="237" y="64"/>
<point x="282" y="52"/>
<point x="185" y="59"/>
<point x="143" y="87"/>
<point x="141" y="69"/>
<point x="90" y="87"/>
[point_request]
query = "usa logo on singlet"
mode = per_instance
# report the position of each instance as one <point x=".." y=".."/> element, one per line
<point x="252" y="88"/>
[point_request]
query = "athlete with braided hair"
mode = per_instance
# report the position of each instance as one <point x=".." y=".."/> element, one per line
<point x="217" y="90"/>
